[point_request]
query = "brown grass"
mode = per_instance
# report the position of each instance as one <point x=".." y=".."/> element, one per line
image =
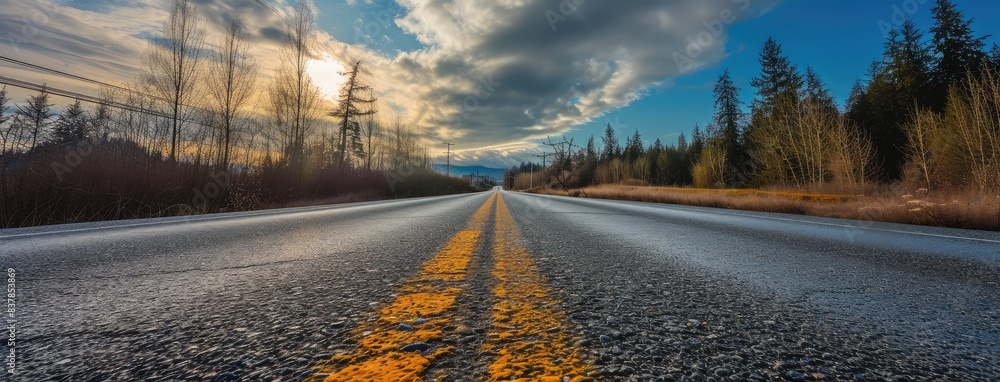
<point x="955" y="209"/>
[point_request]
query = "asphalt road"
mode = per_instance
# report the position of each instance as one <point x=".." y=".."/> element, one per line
<point x="501" y="285"/>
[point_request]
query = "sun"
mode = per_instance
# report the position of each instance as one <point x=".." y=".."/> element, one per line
<point x="326" y="73"/>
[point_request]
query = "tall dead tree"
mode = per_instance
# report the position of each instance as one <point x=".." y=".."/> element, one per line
<point x="355" y="101"/>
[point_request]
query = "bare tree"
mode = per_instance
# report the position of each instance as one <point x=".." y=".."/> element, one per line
<point x="231" y="83"/>
<point x="294" y="100"/>
<point x="355" y="101"/>
<point x="7" y="136"/>
<point x="920" y="132"/>
<point x="371" y="133"/>
<point x="172" y="65"/>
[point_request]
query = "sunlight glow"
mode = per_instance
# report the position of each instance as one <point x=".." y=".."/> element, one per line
<point x="326" y="73"/>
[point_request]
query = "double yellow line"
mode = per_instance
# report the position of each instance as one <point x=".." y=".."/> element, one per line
<point x="527" y="339"/>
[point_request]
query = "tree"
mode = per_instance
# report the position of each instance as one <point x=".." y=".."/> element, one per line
<point x="697" y="144"/>
<point x="958" y="51"/>
<point x="778" y="78"/>
<point x="993" y="61"/>
<point x="921" y="131"/>
<point x="36" y="116"/>
<point x="589" y="167"/>
<point x="371" y="133"/>
<point x="355" y="101"/>
<point x="294" y="100"/>
<point x="611" y="147"/>
<point x="231" y="82"/>
<point x="900" y="81"/>
<point x="72" y="126"/>
<point x="816" y="92"/>
<point x="7" y="136"/>
<point x="172" y="65"/>
<point x="728" y="121"/>
<point x="633" y="147"/>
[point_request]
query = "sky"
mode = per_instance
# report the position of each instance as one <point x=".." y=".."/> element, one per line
<point x="496" y="77"/>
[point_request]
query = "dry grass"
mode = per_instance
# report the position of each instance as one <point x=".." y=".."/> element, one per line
<point x="942" y="208"/>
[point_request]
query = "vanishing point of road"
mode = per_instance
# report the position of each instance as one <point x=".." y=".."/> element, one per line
<point x="502" y="285"/>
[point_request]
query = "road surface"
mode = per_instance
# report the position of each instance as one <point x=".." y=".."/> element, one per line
<point x="501" y="285"/>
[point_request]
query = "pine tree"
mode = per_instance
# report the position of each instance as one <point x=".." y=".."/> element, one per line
<point x="611" y="147"/>
<point x="994" y="57"/>
<point x="633" y="147"/>
<point x="728" y="120"/>
<point x="816" y="92"/>
<point x="355" y="101"/>
<point x="900" y="82"/>
<point x="958" y="51"/>
<point x="72" y="126"/>
<point x="37" y="115"/>
<point x="778" y="78"/>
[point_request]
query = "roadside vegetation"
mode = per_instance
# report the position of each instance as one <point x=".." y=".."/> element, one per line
<point x="199" y="132"/>
<point x="918" y="140"/>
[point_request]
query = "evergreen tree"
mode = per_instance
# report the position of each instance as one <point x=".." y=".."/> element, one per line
<point x="355" y="101"/>
<point x="994" y="57"/>
<point x="37" y="115"/>
<point x="611" y="147"/>
<point x="816" y="92"/>
<point x="697" y="144"/>
<point x="72" y="126"/>
<point x="682" y="143"/>
<point x="728" y="121"/>
<point x="633" y="147"/>
<point x="778" y="78"/>
<point x="900" y="82"/>
<point x="958" y="51"/>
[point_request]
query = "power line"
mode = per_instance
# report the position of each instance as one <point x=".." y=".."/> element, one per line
<point x="84" y="97"/>
<point x="89" y="80"/>
<point x="61" y="73"/>
<point x="267" y="7"/>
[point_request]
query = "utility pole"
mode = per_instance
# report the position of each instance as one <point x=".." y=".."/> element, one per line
<point x="531" y="179"/>
<point x="449" y="156"/>
<point x="544" y="156"/>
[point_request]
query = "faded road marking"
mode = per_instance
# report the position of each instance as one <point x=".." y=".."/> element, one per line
<point x="529" y="335"/>
<point x="425" y="305"/>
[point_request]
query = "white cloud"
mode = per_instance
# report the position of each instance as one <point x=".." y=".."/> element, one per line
<point x="492" y="73"/>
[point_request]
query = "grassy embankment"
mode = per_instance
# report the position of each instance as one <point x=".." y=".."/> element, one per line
<point x="947" y="209"/>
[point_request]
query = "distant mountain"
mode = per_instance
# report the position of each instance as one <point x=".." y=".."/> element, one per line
<point x="496" y="173"/>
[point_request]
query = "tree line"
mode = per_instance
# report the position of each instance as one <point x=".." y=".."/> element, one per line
<point x="197" y="113"/>
<point x="925" y="115"/>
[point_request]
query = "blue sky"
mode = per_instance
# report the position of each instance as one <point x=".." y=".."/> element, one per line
<point x="839" y="39"/>
<point x="497" y="77"/>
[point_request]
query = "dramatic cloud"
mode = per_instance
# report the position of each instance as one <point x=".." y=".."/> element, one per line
<point x="496" y="76"/>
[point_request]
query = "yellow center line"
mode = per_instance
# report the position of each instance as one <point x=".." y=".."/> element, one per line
<point x="425" y="305"/>
<point x="529" y="333"/>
